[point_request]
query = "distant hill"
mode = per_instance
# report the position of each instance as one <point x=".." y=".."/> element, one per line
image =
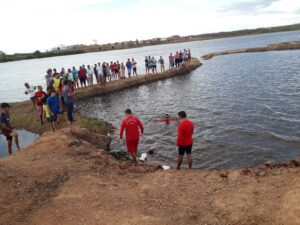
<point x="80" y="49"/>
<point x="246" y="32"/>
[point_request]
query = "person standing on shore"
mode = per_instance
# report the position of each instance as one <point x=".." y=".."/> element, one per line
<point x="189" y="55"/>
<point x="69" y="100"/>
<point x="108" y="73"/>
<point x="53" y="104"/>
<point x="129" y="67"/>
<point x="123" y="71"/>
<point x="147" y="65"/>
<point x="134" y="67"/>
<point x="6" y="128"/>
<point x="29" y="90"/>
<point x="90" y="75"/>
<point x="185" y="139"/>
<point x="100" y="74"/>
<point x="82" y="77"/>
<point x="104" y="71"/>
<point x="75" y="77"/>
<point x="171" y="61"/>
<point x="177" y="59"/>
<point x="154" y="63"/>
<point x="162" y="64"/>
<point x="96" y="73"/>
<point x="134" y="128"/>
<point x="48" y="78"/>
<point x="39" y="96"/>
<point x="47" y="114"/>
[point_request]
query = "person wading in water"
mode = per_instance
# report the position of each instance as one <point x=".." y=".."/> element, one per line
<point x="185" y="139"/>
<point x="133" y="127"/>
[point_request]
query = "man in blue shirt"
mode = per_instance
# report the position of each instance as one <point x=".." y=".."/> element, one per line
<point x="69" y="100"/>
<point x="129" y="67"/>
<point x="53" y="104"/>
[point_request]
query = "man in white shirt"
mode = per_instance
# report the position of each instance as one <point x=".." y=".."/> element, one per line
<point x="30" y="90"/>
<point x="90" y="74"/>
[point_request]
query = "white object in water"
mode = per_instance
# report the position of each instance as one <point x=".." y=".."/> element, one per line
<point x="143" y="157"/>
<point x="166" y="167"/>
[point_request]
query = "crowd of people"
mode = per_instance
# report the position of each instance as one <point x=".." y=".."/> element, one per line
<point x="60" y="94"/>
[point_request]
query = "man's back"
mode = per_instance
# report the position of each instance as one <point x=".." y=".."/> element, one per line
<point x="131" y="124"/>
<point x="185" y="133"/>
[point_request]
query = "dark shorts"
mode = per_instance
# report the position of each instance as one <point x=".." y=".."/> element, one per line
<point x="185" y="149"/>
<point x="32" y="98"/>
<point x="7" y="135"/>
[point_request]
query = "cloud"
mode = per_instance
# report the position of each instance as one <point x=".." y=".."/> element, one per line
<point x="248" y="6"/>
<point x="43" y="24"/>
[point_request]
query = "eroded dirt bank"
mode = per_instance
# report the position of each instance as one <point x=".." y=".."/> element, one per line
<point x="67" y="178"/>
<point x="273" y="47"/>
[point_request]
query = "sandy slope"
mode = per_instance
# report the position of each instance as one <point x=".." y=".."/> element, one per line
<point x="65" y="178"/>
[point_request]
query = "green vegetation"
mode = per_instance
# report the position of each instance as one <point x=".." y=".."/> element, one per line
<point x="79" y="49"/>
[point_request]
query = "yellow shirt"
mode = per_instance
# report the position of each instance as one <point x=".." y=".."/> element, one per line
<point x="46" y="111"/>
<point x="56" y="82"/>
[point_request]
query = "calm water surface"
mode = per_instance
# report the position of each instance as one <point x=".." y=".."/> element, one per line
<point x="246" y="107"/>
<point x="26" y="138"/>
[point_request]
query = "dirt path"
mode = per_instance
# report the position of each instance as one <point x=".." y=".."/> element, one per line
<point x="273" y="47"/>
<point x="65" y="178"/>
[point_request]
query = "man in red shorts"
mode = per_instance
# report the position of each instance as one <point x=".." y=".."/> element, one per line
<point x="185" y="139"/>
<point x="133" y="126"/>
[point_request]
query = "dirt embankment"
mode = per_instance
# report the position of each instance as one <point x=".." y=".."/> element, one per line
<point x="67" y="178"/>
<point x="273" y="47"/>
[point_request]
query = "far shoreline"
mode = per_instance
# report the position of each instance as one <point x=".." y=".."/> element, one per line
<point x="112" y="47"/>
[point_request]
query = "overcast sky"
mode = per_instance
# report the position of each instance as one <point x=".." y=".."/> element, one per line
<point x="29" y="25"/>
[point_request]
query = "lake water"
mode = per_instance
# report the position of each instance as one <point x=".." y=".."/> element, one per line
<point x="26" y="138"/>
<point x="246" y="107"/>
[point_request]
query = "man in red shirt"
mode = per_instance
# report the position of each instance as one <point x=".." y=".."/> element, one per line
<point x="39" y="96"/>
<point x="185" y="139"/>
<point x="133" y="126"/>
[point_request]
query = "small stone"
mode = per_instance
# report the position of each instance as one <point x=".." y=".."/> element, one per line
<point x="223" y="174"/>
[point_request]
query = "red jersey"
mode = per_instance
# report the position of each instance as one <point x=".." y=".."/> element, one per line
<point x="185" y="133"/>
<point x="132" y="125"/>
<point x="82" y="73"/>
<point x="39" y="96"/>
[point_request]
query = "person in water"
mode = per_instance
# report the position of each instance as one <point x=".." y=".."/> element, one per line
<point x="6" y="128"/>
<point x="185" y="139"/>
<point x="133" y="127"/>
<point x="166" y="119"/>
